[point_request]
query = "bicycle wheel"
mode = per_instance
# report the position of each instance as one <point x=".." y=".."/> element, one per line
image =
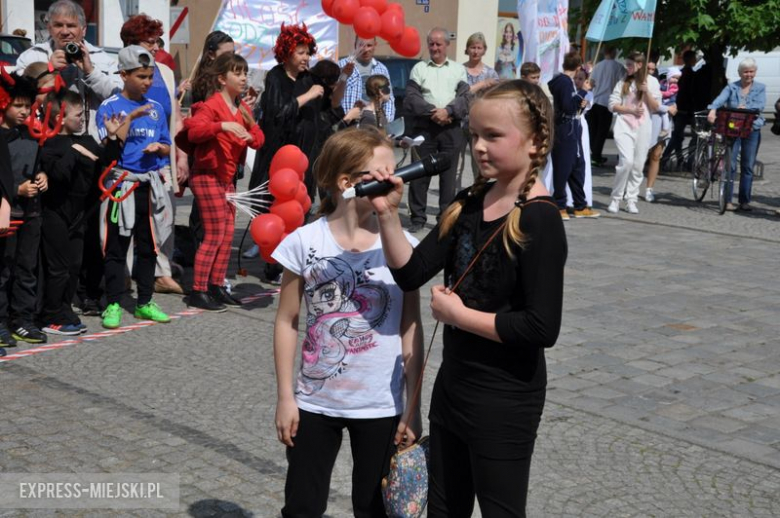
<point x="725" y="178"/>
<point x="701" y="173"/>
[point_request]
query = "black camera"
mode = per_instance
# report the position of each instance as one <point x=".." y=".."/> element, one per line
<point x="72" y="51"/>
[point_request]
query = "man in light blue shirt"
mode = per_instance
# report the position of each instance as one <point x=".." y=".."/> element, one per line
<point x="437" y="101"/>
<point x="364" y="66"/>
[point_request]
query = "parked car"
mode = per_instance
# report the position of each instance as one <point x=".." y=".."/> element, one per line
<point x="10" y="48"/>
<point x="399" y="69"/>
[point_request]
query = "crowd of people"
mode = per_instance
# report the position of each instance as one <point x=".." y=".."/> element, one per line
<point x="94" y="151"/>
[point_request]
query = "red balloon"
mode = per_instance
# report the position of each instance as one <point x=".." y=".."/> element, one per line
<point x="302" y="197"/>
<point x="265" y="253"/>
<point x="327" y="7"/>
<point x="284" y="184"/>
<point x="303" y="166"/>
<point x="288" y="157"/>
<point x="408" y="44"/>
<point x="367" y="23"/>
<point x="392" y="25"/>
<point x="291" y="213"/>
<point x="344" y="10"/>
<point x="395" y="7"/>
<point x="266" y="230"/>
<point x="379" y="5"/>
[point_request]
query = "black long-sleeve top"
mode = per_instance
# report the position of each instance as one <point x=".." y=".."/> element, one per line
<point x="525" y="292"/>
<point x="73" y="177"/>
<point x="566" y="98"/>
<point x="284" y="122"/>
<point x="23" y="151"/>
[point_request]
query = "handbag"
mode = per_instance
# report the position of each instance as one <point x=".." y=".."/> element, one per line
<point x="405" y="488"/>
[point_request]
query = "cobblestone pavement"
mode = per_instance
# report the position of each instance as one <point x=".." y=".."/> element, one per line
<point x="664" y="392"/>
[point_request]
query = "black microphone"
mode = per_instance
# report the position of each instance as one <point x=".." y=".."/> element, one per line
<point x="428" y="166"/>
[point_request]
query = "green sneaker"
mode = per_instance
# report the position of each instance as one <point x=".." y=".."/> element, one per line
<point x="112" y="316"/>
<point x="151" y="311"/>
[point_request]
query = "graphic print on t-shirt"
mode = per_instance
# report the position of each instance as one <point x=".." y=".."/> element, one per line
<point x="345" y="308"/>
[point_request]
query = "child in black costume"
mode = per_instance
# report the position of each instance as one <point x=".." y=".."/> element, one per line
<point x="18" y="281"/>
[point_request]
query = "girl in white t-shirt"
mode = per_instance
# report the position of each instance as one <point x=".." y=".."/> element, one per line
<point x="362" y="341"/>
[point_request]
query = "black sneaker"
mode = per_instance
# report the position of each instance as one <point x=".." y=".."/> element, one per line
<point x="202" y="300"/>
<point x="30" y="334"/>
<point x="220" y="294"/>
<point x="415" y="227"/>
<point x="6" y="340"/>
<point x="90" y="308"/>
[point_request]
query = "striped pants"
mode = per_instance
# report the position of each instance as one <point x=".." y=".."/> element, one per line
<point x="219" y="220"/>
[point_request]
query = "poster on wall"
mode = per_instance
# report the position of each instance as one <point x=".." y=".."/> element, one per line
<point x="254" y="26"/>
<point x="509" y="48"/>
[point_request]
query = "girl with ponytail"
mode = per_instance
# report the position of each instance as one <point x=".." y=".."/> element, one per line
<point x="218" y="134"/>
<point x="490" y="390"/>
<point x="378" y="92"/>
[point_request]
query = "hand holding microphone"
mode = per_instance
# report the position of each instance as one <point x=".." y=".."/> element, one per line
<point x="428" y="166"/>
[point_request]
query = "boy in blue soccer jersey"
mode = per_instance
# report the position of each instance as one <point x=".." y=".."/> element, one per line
<point x="147" y="140"/>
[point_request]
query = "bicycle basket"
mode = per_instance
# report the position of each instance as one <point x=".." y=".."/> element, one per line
<point x="735" y="123"/>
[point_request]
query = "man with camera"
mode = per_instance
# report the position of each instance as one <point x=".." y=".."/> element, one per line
<point x="85" y="68"/>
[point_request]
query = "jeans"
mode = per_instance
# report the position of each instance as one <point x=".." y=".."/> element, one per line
<point x="749" y="147"/>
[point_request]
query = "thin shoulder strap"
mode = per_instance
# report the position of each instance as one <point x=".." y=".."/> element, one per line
<point x="418" y="388"/>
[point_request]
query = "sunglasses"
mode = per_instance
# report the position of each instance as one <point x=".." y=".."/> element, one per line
<point x="385" y="89"/>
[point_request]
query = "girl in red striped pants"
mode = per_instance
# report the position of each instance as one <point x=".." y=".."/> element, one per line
<point x="219" y="132"/>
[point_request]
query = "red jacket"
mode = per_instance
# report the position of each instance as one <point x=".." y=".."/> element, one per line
<point x="216" y="151"/>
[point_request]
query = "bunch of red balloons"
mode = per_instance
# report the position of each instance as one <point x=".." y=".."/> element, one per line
<point x="372" y="18"/>
<point x="291" y="200"/>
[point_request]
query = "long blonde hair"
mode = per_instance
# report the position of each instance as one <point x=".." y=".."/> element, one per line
<point x="345" y="152"/>
<point x="534" y="113"/>
<point x="639" y="76"/>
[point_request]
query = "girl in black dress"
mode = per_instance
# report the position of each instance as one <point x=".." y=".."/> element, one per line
<point x="489" y="393"/>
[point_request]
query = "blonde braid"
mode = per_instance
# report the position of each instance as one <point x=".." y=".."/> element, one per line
<point x="540" y="113"/>
<point x="377" y="110"/>
<point x="452" y="213"/>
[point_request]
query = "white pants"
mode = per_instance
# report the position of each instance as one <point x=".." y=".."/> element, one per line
<point x="633" y="145"/>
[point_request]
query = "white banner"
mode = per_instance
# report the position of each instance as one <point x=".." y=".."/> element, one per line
<point x="254" y="26"/>
<point x="544" y="27"/>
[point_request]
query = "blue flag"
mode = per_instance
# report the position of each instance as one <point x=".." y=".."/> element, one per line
<point x="616" y="19"/>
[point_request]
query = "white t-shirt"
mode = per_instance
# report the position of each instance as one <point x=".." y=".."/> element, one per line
<point x="351" y="359"/>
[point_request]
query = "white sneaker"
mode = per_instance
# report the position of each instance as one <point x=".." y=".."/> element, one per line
<point x="649" y="196"/>
<point x="614" y="206"/>
<point x="251" y="252"/>
<point x="631" y="207"/>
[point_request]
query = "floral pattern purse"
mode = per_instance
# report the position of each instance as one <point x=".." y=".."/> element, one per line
<point x="405" y="488"/>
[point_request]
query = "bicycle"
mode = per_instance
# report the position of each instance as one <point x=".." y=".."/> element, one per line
<point x="713" y="158"/>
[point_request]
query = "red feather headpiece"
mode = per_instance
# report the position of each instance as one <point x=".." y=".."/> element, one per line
<point x="289" y="38"/>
